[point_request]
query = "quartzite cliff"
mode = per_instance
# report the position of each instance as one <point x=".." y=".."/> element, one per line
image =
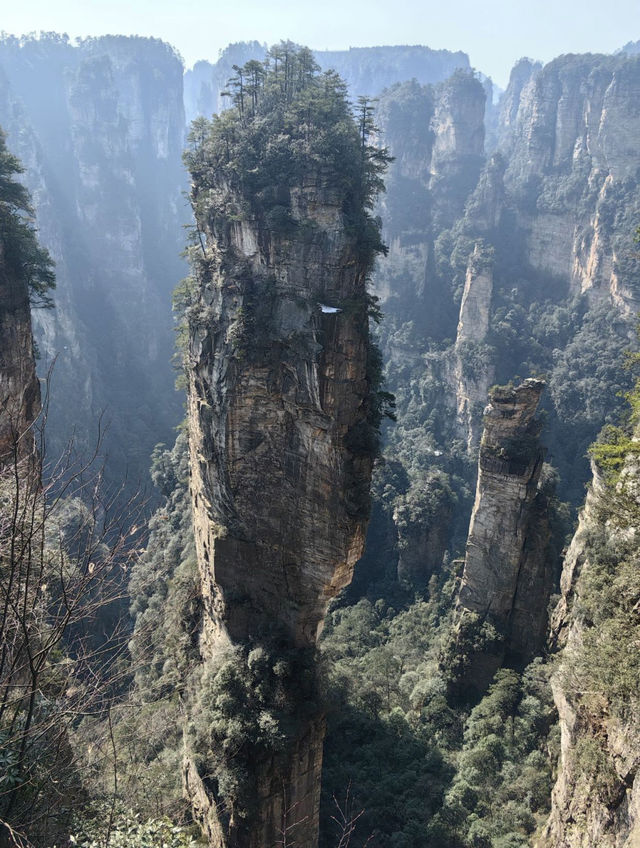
<point x="508" y="576"/>
<point x="596" y="798"/>
<point x="281" y="420"/>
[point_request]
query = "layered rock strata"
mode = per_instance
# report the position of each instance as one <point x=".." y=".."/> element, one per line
<point x="507" y="576"/>
<point x="279" y="424"/>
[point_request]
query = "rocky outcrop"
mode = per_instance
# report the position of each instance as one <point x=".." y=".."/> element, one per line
<point x="569" y="130"/>
<point x="596" y="798"/>
<point x="278" y="389"/>
<point x="474" y="371"/>
<point x="436" y="135"/>
<point x="458" y="124"/>
<point x="507" y="578"/>
<point x="282" y="439"/>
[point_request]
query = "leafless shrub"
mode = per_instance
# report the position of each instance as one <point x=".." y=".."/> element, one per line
<point x="65" y="550"/>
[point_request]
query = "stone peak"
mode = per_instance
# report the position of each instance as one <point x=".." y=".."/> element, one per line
<point x="515" y="403"/>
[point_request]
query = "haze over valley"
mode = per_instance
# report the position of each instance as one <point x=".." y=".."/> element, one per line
<point x="319" y="439"/>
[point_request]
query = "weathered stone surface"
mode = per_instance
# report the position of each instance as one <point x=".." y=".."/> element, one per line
<point x="568" y="129"/>
<point x="458" y="122"/>
<point x="474" y="372"/>
<point x="507" y="577"/>
<point x="592" y="810"/>
<point x="475" y="306"/>
<point x="278" y="398"/>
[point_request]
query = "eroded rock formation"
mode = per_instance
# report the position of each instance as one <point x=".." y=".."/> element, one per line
<point x="471" y="379"/>
<point x="507" y="576"/>
<point x="572" y="150"/>
<point x="278" y="389"/>
<point x="596" y="798"/>
<point x="282" y="438"/>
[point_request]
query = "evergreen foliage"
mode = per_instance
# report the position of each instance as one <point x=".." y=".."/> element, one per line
<point x="246" y="706"/>
<point x="454" y="776"/>
<point x="115" y="825"/>
<point x="165" y="606"/>
<point x="288" y="122"/>
<point x="604" y="668"/>
<point x="20" y="254"/>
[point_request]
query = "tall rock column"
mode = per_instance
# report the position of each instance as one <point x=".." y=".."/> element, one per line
<point x="282" y="421"/>
<point x="507" y="574"/>
<point x="474" y="370"/>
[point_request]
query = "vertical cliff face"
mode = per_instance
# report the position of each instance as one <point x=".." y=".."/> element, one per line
<point x="436" y="134"/>
<point x="596" y="799"/>
<point x="278" y="393"/>
<point x="99" y="127"/>
<point x="25" y="273"/>
<point x="282" y="423"/>
<point x="19" y="387"/>
<point x="507" y="578"/>
<point x="572" y="155"/>
<point x="472" y="382"/>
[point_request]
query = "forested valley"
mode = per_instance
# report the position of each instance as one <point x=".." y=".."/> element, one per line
<point x="319" y="456"/>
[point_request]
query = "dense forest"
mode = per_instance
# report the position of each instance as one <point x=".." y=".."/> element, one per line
<point x="364" y="601"/>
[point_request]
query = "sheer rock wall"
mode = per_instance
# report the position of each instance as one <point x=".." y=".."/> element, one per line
<point x="278" y="393"/>
<point x="595" y="806"/>
<point x="507" y="579"/>
<point x="570" y="130"/>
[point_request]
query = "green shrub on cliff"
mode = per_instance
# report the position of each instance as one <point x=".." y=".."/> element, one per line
<point x="615" y="444"/>
<point x="248" y="704"/>
<point x="288" y="124"/>
<point x="22" y="256"/>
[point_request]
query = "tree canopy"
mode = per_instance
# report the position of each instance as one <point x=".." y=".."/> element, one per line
<point x="287" y="121"/>
<point x="20" y="252"/>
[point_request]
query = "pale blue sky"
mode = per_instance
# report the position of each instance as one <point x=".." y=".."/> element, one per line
<point x="495" y="33"/>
